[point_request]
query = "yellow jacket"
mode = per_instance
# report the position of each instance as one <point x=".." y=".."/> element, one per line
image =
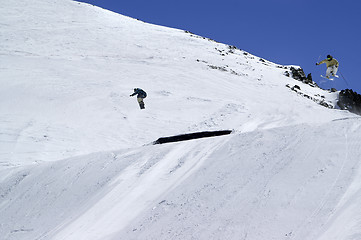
<point x="329" y="63"/>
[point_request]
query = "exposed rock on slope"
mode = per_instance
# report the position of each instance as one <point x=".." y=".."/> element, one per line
<point x="350" y="100"/>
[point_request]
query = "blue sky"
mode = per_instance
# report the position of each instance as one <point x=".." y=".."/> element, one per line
<point x="282" y="31"/>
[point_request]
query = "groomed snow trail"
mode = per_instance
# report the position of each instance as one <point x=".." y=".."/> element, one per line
<point x="153" y="174"/>
<point x="283" y="183"/>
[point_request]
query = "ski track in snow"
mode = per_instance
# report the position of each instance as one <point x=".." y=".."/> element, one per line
<point x="254" y="197"/>
<point x="76" y="160"/>
<point x="134" y="190"/>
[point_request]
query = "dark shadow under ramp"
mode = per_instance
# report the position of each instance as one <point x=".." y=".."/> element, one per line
<point x="190" y="136"/>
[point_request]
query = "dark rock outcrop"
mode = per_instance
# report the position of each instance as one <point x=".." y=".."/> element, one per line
<point x="299" y="74"/>
<point x="317" y="98"/>
<point x="350" y="100"/>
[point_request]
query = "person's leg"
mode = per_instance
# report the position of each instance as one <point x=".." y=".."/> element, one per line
<point x="334" y="70"/>
<point x="141" y="103"/>
<point x="328" y="72"/>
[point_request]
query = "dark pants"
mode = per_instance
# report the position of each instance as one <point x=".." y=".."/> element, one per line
<point x="141" y="103"/>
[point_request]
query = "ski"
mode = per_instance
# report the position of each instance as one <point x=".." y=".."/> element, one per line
<point x="331" y="78"/>
<point x="327" y="78"/>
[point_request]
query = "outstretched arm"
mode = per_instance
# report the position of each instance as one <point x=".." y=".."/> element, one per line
<point x="323" y="61"/>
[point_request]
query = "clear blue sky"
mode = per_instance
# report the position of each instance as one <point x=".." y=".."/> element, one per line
<point x="282" y="31"/>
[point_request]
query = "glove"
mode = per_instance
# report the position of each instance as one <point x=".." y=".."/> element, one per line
<point x="317" y="64"/>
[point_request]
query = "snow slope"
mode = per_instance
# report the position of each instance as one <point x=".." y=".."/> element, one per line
<point x="75" y="155"/>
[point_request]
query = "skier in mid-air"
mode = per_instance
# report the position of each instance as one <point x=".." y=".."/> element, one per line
<point x="141" y="94"/>
<point x="332" y="66"/>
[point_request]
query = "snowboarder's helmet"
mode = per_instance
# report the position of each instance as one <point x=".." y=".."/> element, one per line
<point x="329" y="56"/>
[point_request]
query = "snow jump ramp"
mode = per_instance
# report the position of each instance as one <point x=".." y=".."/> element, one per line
<point x="191" y="136"/>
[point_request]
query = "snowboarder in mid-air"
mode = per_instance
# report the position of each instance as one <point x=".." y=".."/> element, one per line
<point x="141" y="94"/>
<point x="332" y="66"/>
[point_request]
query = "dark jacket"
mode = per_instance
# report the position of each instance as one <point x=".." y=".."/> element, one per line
<point x="141" y="93"/>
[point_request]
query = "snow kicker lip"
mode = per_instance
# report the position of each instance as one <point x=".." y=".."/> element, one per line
<point x="191" y="136"/>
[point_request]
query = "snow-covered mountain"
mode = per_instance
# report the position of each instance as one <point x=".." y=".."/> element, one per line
<point x="76" y="159"/>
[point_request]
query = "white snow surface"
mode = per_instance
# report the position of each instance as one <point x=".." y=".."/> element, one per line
<point x="76" y="159"/>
